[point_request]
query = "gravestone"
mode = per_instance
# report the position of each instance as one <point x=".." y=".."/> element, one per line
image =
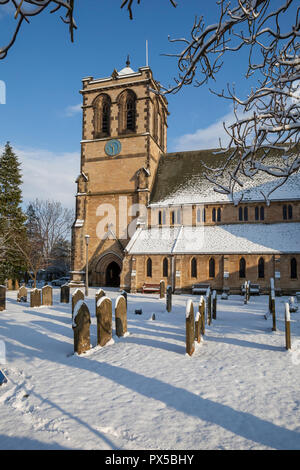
<point x="202" y="314"/>
<point x="190" y="328"/>
<point x="169" y="299"/>
<point x="121" y="316"/>
<point x="22" y="294"/>
<point x="81" y="328"/>
<point x="214" y="305"/>
<point x="198" y="327"/>
<point x="208" y="303"/>
<point x="2" y="298"/>
<point x="99" y="294"/>
<point x="47" y="295"/>
<point x="124" y="293"/>
<point x="9" y="284"/>
<point x="35" y="298"/>
<point x="65" y="294"/>
<point x="16" y="285"/>
<point x="104" y="320"/>
<point x="77" y="295"/>
<point x="162" y="289"/>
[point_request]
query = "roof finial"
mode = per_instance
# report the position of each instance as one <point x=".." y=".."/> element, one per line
<point x="128" y="61"/>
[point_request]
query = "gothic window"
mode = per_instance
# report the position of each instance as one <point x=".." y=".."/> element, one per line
<point x="149" y="267"/>
<point x="256" y="213"/>
<point x="284" y="212"/>
<point x="194" y="267"/>
<point x="102" y="106"/>
<point x="262" y="213"/>
<point x="242" y="268"/>
<point x="261" y="268"/>
<point x="293" y="268"/>
<point x="159" y="217"/>
<point x="172" y="217"/>
<point x="213" y="215"/>
<point x="240" y="213"/>
<point x="290" y="211"/>
<point x="165" y="267"/>
<point x="203" y="216"/>
<point x="127" y="112"/>
<point x="219" y="214"/>
<point x="162" y="131"/>
<point x="211" y="267"/>
<point x="246" y="213"/>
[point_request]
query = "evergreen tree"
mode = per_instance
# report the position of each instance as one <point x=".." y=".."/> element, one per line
<point x="11" y="215"/>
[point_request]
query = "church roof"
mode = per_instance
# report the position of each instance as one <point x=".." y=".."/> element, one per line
<point x="217" y="239"/>
<point x="180" y="180"/>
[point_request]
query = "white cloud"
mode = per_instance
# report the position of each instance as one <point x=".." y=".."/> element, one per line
<point x="48" y="175"/>
<point x="72" y="110"/>
<point x="206" y="137"/>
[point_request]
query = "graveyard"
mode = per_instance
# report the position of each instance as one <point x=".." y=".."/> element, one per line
<point x="148" y="372"/>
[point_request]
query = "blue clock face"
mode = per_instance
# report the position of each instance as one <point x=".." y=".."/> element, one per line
<point x="113" y="147"/>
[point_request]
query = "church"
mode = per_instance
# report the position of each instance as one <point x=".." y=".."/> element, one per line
<point x="143" y="214"/>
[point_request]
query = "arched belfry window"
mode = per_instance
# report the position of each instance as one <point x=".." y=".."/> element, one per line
<point x="293" y="268"/>
<point x="149" y="267"/>
<point x="261" y="268"/>
<point x="194" y="267"/>
<point x="165" y="267"/>
<point x="212" y="270"/>
<point x="102" y="106"/>
<point x="242" y="268"/>
<point x="127" y="112"/>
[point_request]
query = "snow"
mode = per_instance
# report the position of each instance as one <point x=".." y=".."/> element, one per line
<point x="239" y="390"/>
<point x="76" y="310"/>
<point x="102" y="299"/>
<point x="231" y="238"/>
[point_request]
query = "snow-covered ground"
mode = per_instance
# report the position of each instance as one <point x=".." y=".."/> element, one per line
<point x="240" y="390"/>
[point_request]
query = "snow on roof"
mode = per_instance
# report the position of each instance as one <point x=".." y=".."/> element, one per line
<point x="126" y="71"/>
<point x="233" y="238"/>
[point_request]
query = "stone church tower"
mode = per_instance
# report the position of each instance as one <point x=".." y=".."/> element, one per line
<point x="124" y="133"/>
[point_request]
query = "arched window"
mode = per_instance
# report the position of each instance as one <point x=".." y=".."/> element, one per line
<point x="284" y="212"/>
<point x="290" y="211"/>
<point x="219" y="214"/>
<point x="102" y="105"/>
<point x="240" y="213"/>
<point x="155" y="120"/>
<point x="242" y="268"/>
<point x="204" y="215"/>
<point x="213" y="215"/>
<point x="246" y="213"/>
<point x="194" y="267"/>
<point x="261" y="268"/>
<point x="165" y="267"/>
<point x="172" y="217"/>
<point x="198" y="215"/>
<point x="211" y="267"/>
<point x="256" y="213"/>
<point x="293" y="268"/>
<point x="149" y="267"/>
<point x="162" y="131"/>
<point x="127" y="112"/>
<point x="159" y="218"/>
<point x="262" y="213"/>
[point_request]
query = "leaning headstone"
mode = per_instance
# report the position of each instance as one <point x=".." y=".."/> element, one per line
<point x="47" y="296"/>
<point x="65" y="294"/>
<point x="2" y="298"/>
<point x="77" y="295"/>
<point x="81" y="327"/>
<point x="190" y="328"/>
<point x="35" y="298"/>
<point x="99" y="294"/>
<point x="169" y="299"/>
<point x="162" y="289"/>
<point x="121" y="316"/>
<point x="104" y="320"/>
<point x="22" y="294"/>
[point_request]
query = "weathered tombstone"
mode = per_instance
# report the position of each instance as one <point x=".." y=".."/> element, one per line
<point x="65" y="294"/>
<point x="2" y="298"/>
<point x="22" y="294"/>
<point x="104" y="320"/>
<point x="47" y="296"/>
<point x="190" y="328"/>
<point x="202" y="314"/>
<point x="169" y="299"/>
<point x="121" y="316"/>
<point x="99" y="294"/>
<point x="214" y="305"/>
<point x="81" y="327"/>
<point x="77" y="295"/>
<point x="287" y="327"/>
<point x="162" y="289"/>
<point x="198" y="327"/>
<point x="273" y="311"/>
<point x="245" y="292"/>
<point x="35" y="298"/>
<point x="208" y="303"/>
<point x="124" y="293"/>
<point x="9" y="284"/>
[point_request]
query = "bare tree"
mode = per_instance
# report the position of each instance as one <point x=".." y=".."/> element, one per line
<point x="271" y="111"/>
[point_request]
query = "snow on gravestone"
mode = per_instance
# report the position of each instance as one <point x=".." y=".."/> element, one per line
<point x="2" y="298"/>
<point x="81" y="327"/>
<point x="77" y="295"/>
<point x="169" y="299"/>
<point x="100" y="293"/>
<point x="65" y="294"/>
<point x="190" y="328"/>
<point x="121" y="316"/>
<point x="35" y="298"/>
<point x="22" y="294"/>
<point x="162" y="289"/>
<point x="104" y="321"/>
<point x="47" y="297"/>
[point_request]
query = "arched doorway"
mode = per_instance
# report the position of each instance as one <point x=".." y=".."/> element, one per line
<point x="112" y="276"/>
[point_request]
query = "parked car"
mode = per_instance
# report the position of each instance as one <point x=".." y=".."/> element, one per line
<point x="61" y="281"/>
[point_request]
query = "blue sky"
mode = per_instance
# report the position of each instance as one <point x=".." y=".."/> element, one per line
<point x="43" y="72"/>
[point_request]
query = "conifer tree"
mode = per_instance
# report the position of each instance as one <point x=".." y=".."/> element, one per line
<point x="11" y="215"/>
